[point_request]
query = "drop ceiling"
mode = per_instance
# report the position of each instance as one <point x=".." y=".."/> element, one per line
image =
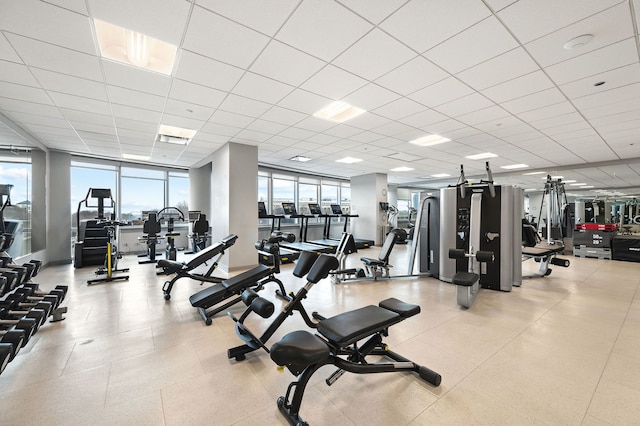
<point x="491" y="75"/>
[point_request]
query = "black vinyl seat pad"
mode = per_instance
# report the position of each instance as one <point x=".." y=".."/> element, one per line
<point x="172" y="267"/>
<point x="214" y="294"/>
<point x="350" y="327"/>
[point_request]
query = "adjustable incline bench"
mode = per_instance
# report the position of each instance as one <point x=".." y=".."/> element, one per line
<point x="544" y="253"/>
<point x="253" y="279"/>
<point x="183" y="270"/>
<point x="303" y="353"/>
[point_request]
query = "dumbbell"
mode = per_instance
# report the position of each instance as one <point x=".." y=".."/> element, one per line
<point x="21" y="271"/>
<point x="19" y="300"/>
<point x="38" y="265"/>
<point x="60" y="290"/>
<point x="27" y="295"/>
<point x="11" y="277"/>
<point x="16" y="338"/>
<point x="5" y="355"/>
<point x="8" y="312"/>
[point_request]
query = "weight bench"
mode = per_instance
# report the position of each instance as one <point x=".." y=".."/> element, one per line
<point x="544" y="253"/>
<point x="304" y="353"/>
<point x="183" y="270"/>
<point x="251" y="279"/>
<point x="379" y="268"/>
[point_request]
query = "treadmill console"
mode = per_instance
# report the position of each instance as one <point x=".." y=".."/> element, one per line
<point x="262" y="209"/>
<point x="289" y="209"/>
<point x="335" y="209"/>
<point x="315" y="209"/>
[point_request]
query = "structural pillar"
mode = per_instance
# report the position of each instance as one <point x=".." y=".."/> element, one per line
<point x="367" y="191"/>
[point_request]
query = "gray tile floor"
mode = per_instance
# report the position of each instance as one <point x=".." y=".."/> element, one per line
<point x="562" y="350"/>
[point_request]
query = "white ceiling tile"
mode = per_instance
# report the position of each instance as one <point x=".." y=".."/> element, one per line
<point x="161" y="19"/>
<point x="252" y="135"/>
<point x="568" y="129"/>
<point x="399" y="108"/>
<point x="266" y="17"/>
<point x="505" y="67"/>
<point x="266" y="127"/>
<point x="368" y="121"/>
<point x="483" y="41"/>
<point x="411" y="76"/>
<point x="134" y="98"/>
<point x="303" y="101"/>
<point x="322" y="29"/>
<point x="76" y="116"/>
<point x="283" y="116"/>
<point x="393" y="128"/>
<point x="11" y="72"/>
<point x="220" y="129"/>
<point x="441" y="92"/>
<point x="464" y="105"/>
<point x="497" y="5"/>
<point x="609" y="26"/>
<point x="611" y="109"/>
<point x="370" y="97"/>
<point x="554" y="121"/>
<point x="64" y="83"/>
<point x="552" y="111"/>
<point x="6" y="51"/>
<point x="342" y="131"/>
<point x="483" y="115"/>
<point x="16" y="105"/>
<point x="201" y="70"/>
<point x="315" y="124"/>
<point x="43" y="21"/>
<point x="210" y="34"/>
<point x="296" y="133"/>
<point x="231" y="119"/>
<point x="194" y="93"/>
<point x="613" y="79"/>
<point x="366" y="137"/>
<point x="189" y="110"/>
<point x="22" y="118"/>
<point x="530" y="19"/>
<point x="534" y="101"/>
<point x="422" y="25"/>
<point x="615" y="119"/>
<point x="373" y="10"/>
<point x="137" y="114"/>
<point x="244" y="106"/>
<point x="262" y="88"/>
<point x="78" y="6"/>
<point x="42" y="55"/>
<point x="24" y="93"/>
<point x="137" y="79"/>
<point x="609" y="97"/>
<point x="442" y="127"/>
<point x="424" y="118"/>
<point x="134" y="125"/>
<point x="286" y="64"/>
<point x="184" y="122"/>
<point x="607" y="58"/>
<point x="373" y="55"/>
<point x="518" y="87"/>
<point x="333" y="83"/>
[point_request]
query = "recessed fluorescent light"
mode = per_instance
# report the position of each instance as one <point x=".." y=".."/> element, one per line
<point x="175" y="135"/>
<point x="136" y="157"/>
<point x="530" y="189"/>
<point x="515" y="166"/>
<point x="533" y="173"/>
<point x="132" y="48"/>
<point x="339" y="112"/>
<point x="429" y="140"/>
<point x="557" y="177"/>
<point x="588" y="186"/>
<point x="349" y="160"/>
<point x="300" y="158"/>
<point x="481" y="156"/>
<point x="402" y="169"/>
<point x="569" y="181"/>
<point x="440" y="175"/>
<point x="577" y="184"/>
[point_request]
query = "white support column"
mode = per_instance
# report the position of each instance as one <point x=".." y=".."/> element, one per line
<point x="199" y="190"/>
<point x="367" y="191"/>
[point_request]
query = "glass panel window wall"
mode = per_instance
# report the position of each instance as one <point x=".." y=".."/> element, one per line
<point x="15" y="183"/>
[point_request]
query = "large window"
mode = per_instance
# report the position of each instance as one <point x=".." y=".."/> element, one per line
<point x="135" y="190"/>
<point x="274" y="188"/>
<point x="15" y="181"/>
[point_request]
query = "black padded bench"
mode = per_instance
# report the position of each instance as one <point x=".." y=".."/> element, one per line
<point x="209" y="297"/>
<point x="182" y="269"/>
<point x="304" y="353"/>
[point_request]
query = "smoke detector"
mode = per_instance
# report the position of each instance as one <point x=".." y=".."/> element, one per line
<point x="578" y="42"/>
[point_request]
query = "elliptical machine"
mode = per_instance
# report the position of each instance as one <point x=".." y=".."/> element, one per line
<point x="170" y="215"/>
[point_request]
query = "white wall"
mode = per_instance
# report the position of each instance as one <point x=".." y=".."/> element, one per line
<point x="367" y="191"/>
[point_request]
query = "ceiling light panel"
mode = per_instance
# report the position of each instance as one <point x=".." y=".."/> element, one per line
<point x="481" y="156"/>
<point x="349" y="160"/>
<point x="402" y="169"/>
<point x="339" y="112"/>
<point x="429" y="140"/>
<point x="133" y="48"/>
<point x="514" y="166"/>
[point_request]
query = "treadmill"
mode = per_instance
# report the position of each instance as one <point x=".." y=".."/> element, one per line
<point x="286" y="256"/>
<point x="316" y="211"/>
<point x="360" y="243"/>
<point x="291" y="212"/>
